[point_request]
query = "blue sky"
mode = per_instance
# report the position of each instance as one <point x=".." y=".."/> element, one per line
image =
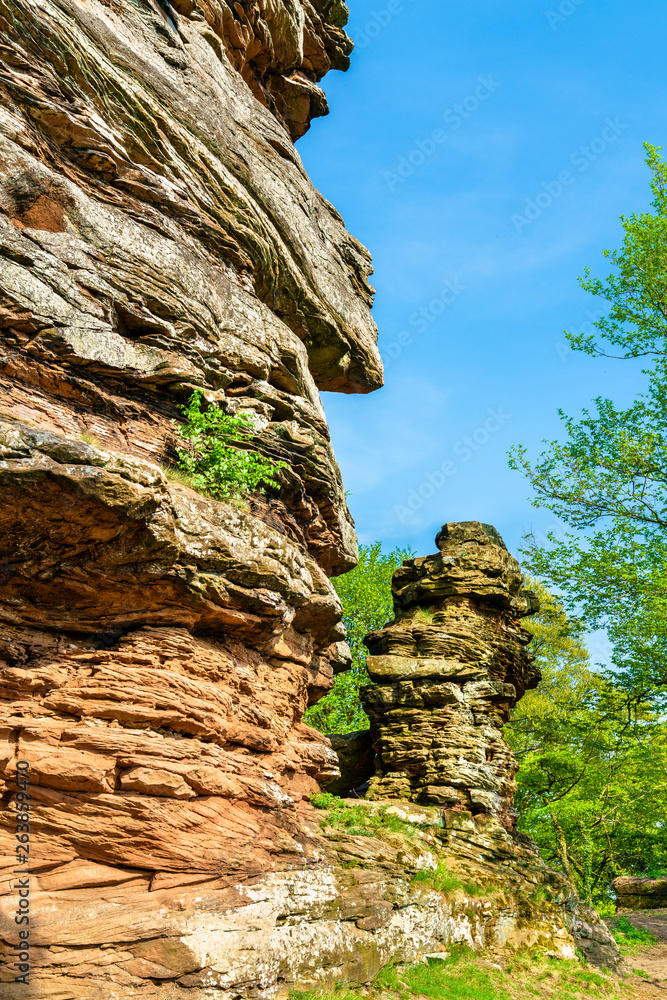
<point x="483" y="153"/>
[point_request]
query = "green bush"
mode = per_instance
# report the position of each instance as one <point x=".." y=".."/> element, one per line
<point x="365" y="594"/>
<point x="631" y="939"/>
<point x="210" y="456"/>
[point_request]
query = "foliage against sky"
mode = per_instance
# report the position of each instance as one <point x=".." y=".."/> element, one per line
<point x="608" y="478"/>
<point x="367" y="605"/>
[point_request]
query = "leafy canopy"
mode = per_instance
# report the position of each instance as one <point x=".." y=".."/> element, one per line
<point x="637" y="289"/>
<point x="214" y="457"/>
<point x="592" y="780"/>
<point x="592" y="745"/>
<point x="607" y="479"/>
<point x="365" y="593"/>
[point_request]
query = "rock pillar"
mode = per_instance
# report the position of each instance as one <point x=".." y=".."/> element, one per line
<point x="448" y="671"/>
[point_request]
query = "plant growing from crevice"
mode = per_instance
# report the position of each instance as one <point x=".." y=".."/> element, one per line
<point x="440" y="879"/>
<point x="443" y="880"/>
<point x="212" y="456"/>
<point x="423" y="616"/>
<point x="88" y="438"/>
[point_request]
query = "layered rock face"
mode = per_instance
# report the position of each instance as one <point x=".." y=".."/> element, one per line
<point x="641" y="893"/>
<point x="158" y="649"/>
<point x="449" y="669"/>
<point x="158" y="234"/>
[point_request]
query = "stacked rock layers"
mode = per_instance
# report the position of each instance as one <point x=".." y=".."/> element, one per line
<point x="159" y="235"/>
<point x="449" y="670"/>
<point x="634" y="893"/>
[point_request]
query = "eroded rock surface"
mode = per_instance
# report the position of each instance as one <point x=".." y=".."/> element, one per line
<point x="158" y="234"/>
<point x="158" y="649"/>
<point x="449" y="669"/>
<point x="640" y="893"/>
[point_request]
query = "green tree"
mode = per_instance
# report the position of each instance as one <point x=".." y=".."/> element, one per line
<point x="592" y="780"/>
<point x="608" y="478"/>
<point x="365" y="593"/>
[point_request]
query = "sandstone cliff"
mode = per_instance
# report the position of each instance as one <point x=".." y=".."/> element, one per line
<point x="158" y="649"/>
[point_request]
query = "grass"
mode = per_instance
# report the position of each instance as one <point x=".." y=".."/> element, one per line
<point x="423" y="616"/>
<point x="358" y="820"/>
<point x="457" y="978"/>
<point x="90" y="439"/>
<point x="630" y="939"/>
<point x="466" y="976"/>
<point x="443" y="880"/>
<point x="541" y="895"/>
<point x="176" y="475"/>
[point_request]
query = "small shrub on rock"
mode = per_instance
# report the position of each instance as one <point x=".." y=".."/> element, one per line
<point x="442" y="880"/>
<point x="211" y="459"/>
<point x="358" y="820"/>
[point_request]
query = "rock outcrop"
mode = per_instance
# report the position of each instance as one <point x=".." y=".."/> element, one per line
<point x="449" y="669"/>
<point x="634" y="893"/>
<point x="158" y="649"/>
<point x="158" y="234"/>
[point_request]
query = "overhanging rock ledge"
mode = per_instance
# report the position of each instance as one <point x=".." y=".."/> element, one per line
<point x="158" y="649"/>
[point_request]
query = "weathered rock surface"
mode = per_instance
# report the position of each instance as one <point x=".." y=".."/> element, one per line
<point x="356" y="761"/>
<point x="449" y="669"/>
<point x="158" y="649"/>
<point x="640" y="893"/>
<point x="158" y="234"/>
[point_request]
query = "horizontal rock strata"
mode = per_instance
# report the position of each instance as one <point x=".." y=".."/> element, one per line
<point x="158" y="649"/>
<point x="126" y="933"/>
<point x="448" y="671"/>
<point x="634" y="893"/>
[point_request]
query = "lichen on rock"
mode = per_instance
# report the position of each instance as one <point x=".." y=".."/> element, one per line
<point x="158" y="648"/>
<point x="448" y="671"/>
